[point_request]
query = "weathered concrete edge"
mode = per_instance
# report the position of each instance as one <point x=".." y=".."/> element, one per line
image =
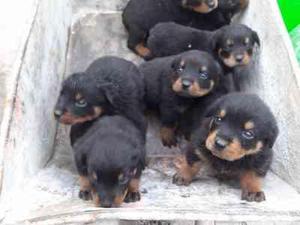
<point x="16" y="84"/>
<point x="12" y="81"/>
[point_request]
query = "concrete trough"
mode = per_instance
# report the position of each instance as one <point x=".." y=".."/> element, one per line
<point x="52" y="38"/>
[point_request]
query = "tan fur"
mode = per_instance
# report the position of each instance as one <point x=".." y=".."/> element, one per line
<point x="233" y="151"/>
<point x="142" y="50"/>
<point x="244" y="4"/>
<point x="177" y="85"/>
<point x="134" y="185"/>
<point x="222" y="113"/>
<point x="250" y="182"/>
<point x="196" y="91"/>
<point x="68" y="118"/>
<point x="249" y="125"/>
<point x="203" y="8"/>
<point x="167" y="134"/>
<point x="78" y="96"/>
<point x="85" y="184"/>
<point x="120" y="199"/>
<point x="186" y="171"/>
<point x="231" y="62"/>
<point x="96" y="199"/>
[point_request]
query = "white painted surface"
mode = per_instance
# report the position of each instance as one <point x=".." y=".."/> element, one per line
<point x="28" y="128"/>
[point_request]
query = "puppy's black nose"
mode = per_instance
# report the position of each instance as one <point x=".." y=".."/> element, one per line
<point x="211" y="3"/>
<point x="186" y="83"/>
<point x="239" y="58"/>
<point x="220" y="143"/>
<point x="58" y="113"/>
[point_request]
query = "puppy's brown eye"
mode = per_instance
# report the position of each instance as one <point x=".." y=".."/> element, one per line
<point x="203" y="75"/>
<point x="218" y="119"/>
<point x="248" y="134"/>
<point x="81" y="103"/>
<point x="180" y="68"/>
<point x="246" y="41"/>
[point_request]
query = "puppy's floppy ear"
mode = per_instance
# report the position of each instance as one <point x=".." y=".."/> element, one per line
<point x="272" y="135"/>
<point x="255" y="38"/>
<point x="215" y="40"/>
<point x="176" y="62"/>
<point x="112" y="94"/>
<point x="212" y="108"/>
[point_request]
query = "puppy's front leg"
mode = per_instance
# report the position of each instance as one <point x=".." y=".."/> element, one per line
<point x="169" y="117"/>
<point x="251" y="187"/>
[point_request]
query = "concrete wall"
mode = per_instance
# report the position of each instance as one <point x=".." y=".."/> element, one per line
<point x="34" y="69"/>
<point x="277" y="81"/>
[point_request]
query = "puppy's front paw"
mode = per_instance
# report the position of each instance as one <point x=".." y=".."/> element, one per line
<point x="180" y="180"/>
<point x="253" y="196"/>
<point x="85" y="195"/>
<point x="132" y="197"/>
<point x="168" y="137"/>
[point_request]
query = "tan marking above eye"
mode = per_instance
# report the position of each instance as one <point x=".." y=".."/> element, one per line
<point x="229" y="42"/>
<point x="247" y="40"/>
<point x="249" y="125"/>
<point x="78" y="96"/>
<point x="121" y="176"/>
<point x="94" y="175"/>
<point x="222" y="113"/>
<point x="182" y="63"/>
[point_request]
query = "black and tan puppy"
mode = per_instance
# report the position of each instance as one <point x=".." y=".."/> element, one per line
<point x="235" y="139"/>
<point x="110" y="85"/>
<point x="173" y="83"/>
<point x="110" y="157"/>
<point x="232" y="45"/>
<point x="140" y="16"/>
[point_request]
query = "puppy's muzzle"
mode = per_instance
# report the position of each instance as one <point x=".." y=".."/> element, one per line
<point x="221" y="143"/>
<point x="186" y="84"/>
<point x="239" y="58"/>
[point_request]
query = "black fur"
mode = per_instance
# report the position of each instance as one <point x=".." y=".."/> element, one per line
<point x="140" y="16"/>
<point x="160" y="74"/>
<point x="112" y="146"/>
<point x="170" y="38"/>
<point x="110" y="84"/>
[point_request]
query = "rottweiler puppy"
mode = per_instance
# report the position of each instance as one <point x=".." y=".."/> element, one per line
<point x="235" y="139"/>
<point x="174" y="83"/>
<point x="140" y="16"/>
<point x="110" y="157"/>
<point x="110" y="85"/>
<point x="232" y="45"/>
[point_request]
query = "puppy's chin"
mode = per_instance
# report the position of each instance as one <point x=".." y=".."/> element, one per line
<point x="70" y="119"/>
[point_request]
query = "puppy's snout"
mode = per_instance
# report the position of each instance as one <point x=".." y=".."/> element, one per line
<point x="186" y="83"/>
<point x="221" y="143"/>
<point x="239" y="57"/>
<point x="58" y="113"/>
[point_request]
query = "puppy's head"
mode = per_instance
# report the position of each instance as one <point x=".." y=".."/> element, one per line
<point x="195" y="74"/>
<point x="113" y="162"/>
<point x="80" y="100"/>
<point x="234" y="44"/>
<point x="241" y="125"/>
<point x="200" y="6"/>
